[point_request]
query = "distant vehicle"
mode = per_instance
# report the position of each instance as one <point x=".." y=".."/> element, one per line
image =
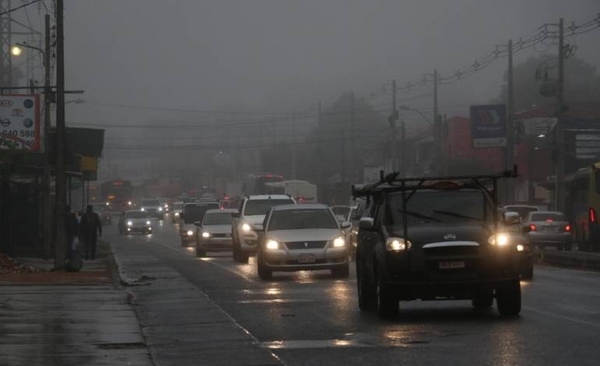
<point x="255" y="184"/>
<point x="213" y="234"/>
<point x="176" y="208"/>
<point x="302" y="237"/>
<point x="301" y="190"/>
<point x="583" y="206"/>
<point x="117" y="193"/>
<point x="253" y="210"/>
<point x="522" y="210"/>
<point x="135" y="221"/>
<point x="192" y="213"/>
<point x="153" y="208"/>
<point x="102" y="210"/>
<point x="524" y="248"/>
<point x="549" y="228"/>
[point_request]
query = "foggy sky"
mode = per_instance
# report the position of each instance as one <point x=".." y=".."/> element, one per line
<point x="282" y="55"/>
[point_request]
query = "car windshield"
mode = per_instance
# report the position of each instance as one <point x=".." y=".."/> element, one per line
<point x="548" y="216"/>
<point x="136" y="215"/>
<point x="430" y="207"/>
<point x="521" y="210"/>
<point x="261" y="207"/>
<point x="217" y="218"/>
<point x="341" y="211"/>
<point x="150" y="203"/>
<point x="195" y="213"/>
<point x="302" y="219"/>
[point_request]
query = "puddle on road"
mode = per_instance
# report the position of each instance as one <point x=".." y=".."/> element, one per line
<point x="327" y="343"/>
<point x="274" y="301"/>
<point x="353" y="340"/>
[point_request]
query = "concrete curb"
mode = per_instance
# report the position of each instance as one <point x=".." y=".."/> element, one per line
<point x="575" y="260"/>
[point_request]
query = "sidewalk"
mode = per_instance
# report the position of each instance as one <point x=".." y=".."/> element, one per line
<point x="68" y="318"/>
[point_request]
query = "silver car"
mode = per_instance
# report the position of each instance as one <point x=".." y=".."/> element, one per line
<point x="302" y="237"/>
<point x="135" y="221"/>
<point x="548" y="228"/>
<point x="213" y="234"/>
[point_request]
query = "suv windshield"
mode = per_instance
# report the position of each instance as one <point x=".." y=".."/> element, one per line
<point x="220" y="218"/>
<point x="441" y="207"/>
<point x="195" y="213"/>
<point x="302" y="219"/>
<point x="261" y="207"/>
<point x="150" y="203"/>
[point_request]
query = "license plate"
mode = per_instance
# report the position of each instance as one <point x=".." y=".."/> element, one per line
<point x="306" y="258"/>
<point x="552" y="229"/>
<point x="452" y="265"/>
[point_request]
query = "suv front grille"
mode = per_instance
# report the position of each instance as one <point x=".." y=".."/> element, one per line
<point x="298" y="245"/>
<point x="451" y="251"/>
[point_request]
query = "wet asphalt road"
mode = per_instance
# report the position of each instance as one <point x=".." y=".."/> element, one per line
<point x="309" y="318"/>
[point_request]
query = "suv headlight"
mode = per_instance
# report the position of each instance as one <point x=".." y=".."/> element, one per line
<point x="500" y="239"/>
<point x="206" y="234"/>
<point x="143" y="209"/>
<point x="397" y="244"/>
<point x="272" y="245"/>
<point x="129" y="223"/>
<point x="160" y="209"/>
<point x="339" y="242"/>
<point x="190" y="232"/>
<point x="246" y="227"/>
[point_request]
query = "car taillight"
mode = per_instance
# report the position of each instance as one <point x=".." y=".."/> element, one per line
<point x="532" y="227"/>
<point x="593" y="217"/>
<point x="568" y="228"/>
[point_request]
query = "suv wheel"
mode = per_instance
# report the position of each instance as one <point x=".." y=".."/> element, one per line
<point x="388" y="305"/>
<point x="263" y="272"/>
<point x="508" y="298"/>
<point x="341" y="272"/>
<point x="483" y="299"/>
<point x="366" y="292"/>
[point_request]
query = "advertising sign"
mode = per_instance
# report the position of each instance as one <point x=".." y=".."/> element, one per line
<point x="488" y="125"/>
<point x="20" y="123"/>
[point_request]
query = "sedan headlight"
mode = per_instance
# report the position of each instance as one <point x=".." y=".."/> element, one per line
<point x="520" y="247"/>
<point x="339" y="242"/>
<point x="176" y="213"/>
<point x="397" y="244"/>
<point x="206" y="234"/>
<point x="500" y="239"/>
<point x="129" y="223"/>
<point x="148" y="223"/>
<point x="190" y="232"/>
<point x="160" y="209"/>
<point x="246" y="227"/>
<point x="272" y="245"/>
<point x="143" y="209"/>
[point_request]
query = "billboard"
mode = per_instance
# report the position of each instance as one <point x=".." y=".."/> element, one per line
<point x="20" y="123"/>
<point x="488" y="125"/>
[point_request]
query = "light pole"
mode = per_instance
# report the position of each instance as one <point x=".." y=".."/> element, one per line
<point x="17" y="50"/>
<point x="406" y="108"/>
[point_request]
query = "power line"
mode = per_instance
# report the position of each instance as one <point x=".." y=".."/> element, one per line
<point x="19" y="7"/>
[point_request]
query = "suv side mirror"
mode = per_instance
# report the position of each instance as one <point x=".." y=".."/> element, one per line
<point x="346" y="225"/>
<point x="235" y="215"/>
<point x="366" y="223"/>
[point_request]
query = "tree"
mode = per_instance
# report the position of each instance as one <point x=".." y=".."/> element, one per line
<point x="582" y="83"/>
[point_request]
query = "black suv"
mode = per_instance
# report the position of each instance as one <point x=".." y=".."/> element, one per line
<point x="436" y="238"/>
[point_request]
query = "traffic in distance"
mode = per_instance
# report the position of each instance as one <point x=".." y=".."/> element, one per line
<point x="422" y="238"/>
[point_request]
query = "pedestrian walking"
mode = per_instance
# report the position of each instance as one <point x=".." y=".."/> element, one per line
<point x="90" y="228"/>
<point x="72" y="228"/>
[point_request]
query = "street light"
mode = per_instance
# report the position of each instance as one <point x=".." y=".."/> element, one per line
<point x="16" y="51"/>
<point x="406" y="108"/>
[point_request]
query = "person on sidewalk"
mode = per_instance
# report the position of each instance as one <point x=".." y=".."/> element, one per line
<point x="91" y="229"/>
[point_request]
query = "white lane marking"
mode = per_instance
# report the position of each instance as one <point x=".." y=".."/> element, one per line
<point x="568" y="318"/>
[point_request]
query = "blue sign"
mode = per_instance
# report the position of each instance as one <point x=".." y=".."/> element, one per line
<point x="488" y="125"/>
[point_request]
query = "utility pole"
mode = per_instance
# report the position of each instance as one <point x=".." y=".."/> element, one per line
<point x="392" y="119"/>
<point x="352" y="137"/>
<point x="294" y="145"/>
<point x="60" y="234"/>
<point x="559" y="194"/>
<point x="510" y="138"/>
<point x="437" y="141"/>
<point x="5" y="44"/>
<point x="47" y="210"/>
<point x="403" y="147"/>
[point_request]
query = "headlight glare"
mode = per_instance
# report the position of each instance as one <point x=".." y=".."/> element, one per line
<point x="339" y="242"/>
<point x="148" y="223"/>
<point x="190" y="232"/>
<point x="500" y="239"/>
<point x="520" y="247"/>
<point x="206" y="234"/>
<point x="160" y="209"/>
<point x="129" y="223"/>
<point x="246" y="227"/>
<point x="143" y="209"/>
<point x="397" y="244"/>
<point x="272" y="245"/>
